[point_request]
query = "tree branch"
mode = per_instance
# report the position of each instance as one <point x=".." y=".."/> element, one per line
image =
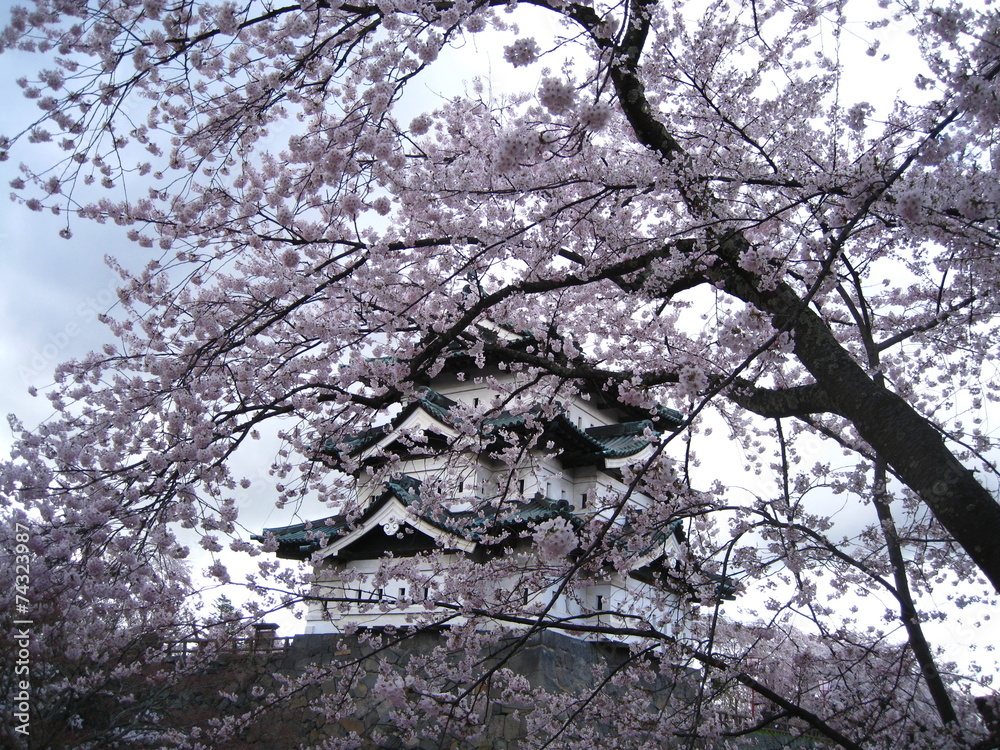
<point x="775" y="403"/>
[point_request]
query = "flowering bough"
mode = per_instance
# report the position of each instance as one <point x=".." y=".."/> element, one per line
<point x="316" y="246"/>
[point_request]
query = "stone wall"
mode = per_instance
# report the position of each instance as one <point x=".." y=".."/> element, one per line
<point x="345" y="672"/>
<point x="329" y="691"/>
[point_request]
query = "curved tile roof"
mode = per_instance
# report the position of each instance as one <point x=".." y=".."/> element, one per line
<point x="576" y="445"/>
<point x="300" y="541"/>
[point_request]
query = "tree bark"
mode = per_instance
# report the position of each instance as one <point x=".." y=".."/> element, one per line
<point x="908" y="442"/>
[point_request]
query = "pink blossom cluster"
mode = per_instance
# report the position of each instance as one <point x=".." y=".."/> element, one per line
<point x="908" y="203"/>
<point x="514" y="148"/>
<point x="595" y="117"/>
<point x="420" y="124"/>
<point x="522" y="52"/>
<point x="554" y="539"/>
<point x="556" y="95"/>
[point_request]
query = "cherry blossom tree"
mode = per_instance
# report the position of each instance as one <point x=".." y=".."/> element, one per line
<point x="683" y="204"/>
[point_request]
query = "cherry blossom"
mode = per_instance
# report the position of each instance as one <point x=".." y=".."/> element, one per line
<point x="522" y="52"/>
<point x="684" y="209"/>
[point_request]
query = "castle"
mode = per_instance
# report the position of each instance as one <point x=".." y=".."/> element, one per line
<point x="476" y="466"/>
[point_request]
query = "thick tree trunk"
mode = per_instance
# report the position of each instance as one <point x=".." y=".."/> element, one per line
<point x="906" y="440"/>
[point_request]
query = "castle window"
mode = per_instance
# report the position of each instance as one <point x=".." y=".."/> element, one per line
<point x="402" y="592"/>
<point x="583" y="499"/>
<point x="600" y="602"/>
<point x="520" y="486"/>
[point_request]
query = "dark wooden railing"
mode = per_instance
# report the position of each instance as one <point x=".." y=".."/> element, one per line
<point x="236" y="645"/>
<point x="262" y="641"/>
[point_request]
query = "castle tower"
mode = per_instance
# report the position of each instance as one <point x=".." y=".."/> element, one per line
<point x="474" y="468"/>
